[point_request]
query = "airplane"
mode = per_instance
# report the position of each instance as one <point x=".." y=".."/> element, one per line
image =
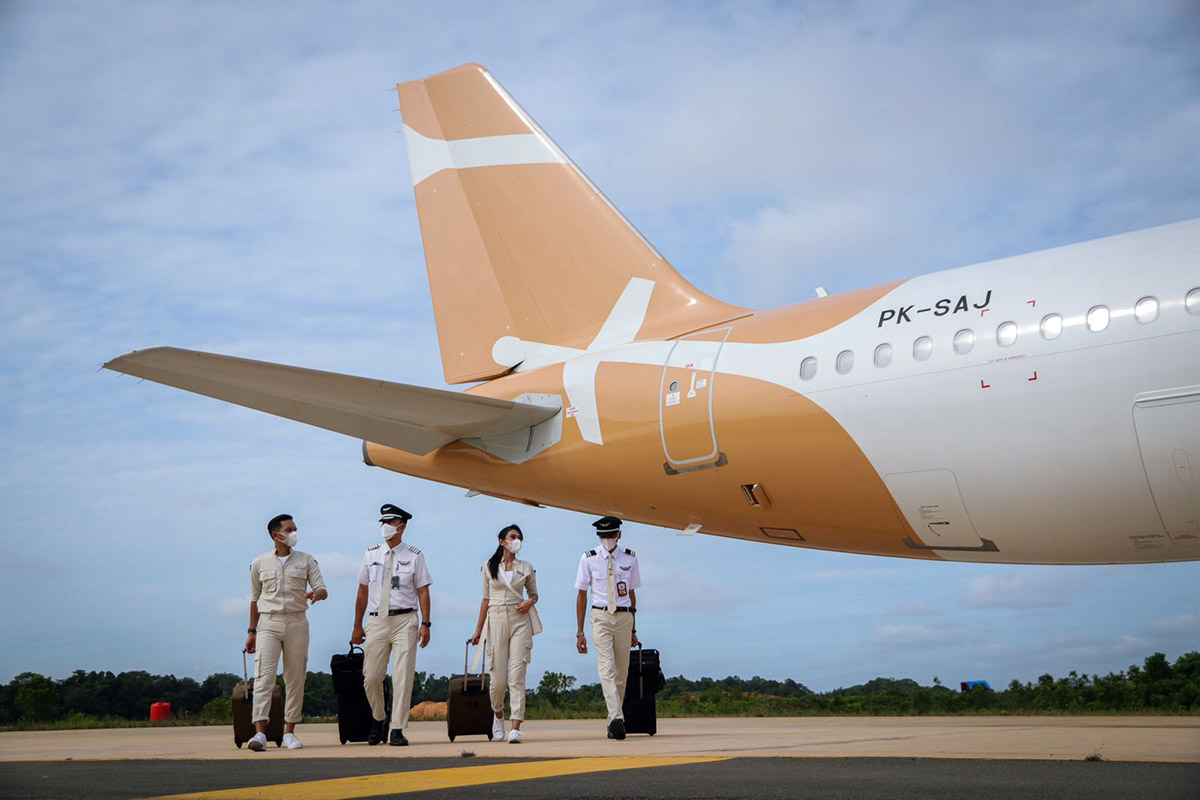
<point x="1039" y="409"/>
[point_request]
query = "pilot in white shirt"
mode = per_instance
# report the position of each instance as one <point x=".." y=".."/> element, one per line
<point x="607" y="579"/>
<point x="392" y="583"/>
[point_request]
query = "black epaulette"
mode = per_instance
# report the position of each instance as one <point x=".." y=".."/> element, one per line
<point x="629" y="552"/>
<point x="590" y="553"/>
<point x="410" y="547"/>
<point x="374" y="547"/>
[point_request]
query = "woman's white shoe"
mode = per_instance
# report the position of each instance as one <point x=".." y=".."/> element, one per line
<point x="514" y="736"/>
<point x="497" y="729"/>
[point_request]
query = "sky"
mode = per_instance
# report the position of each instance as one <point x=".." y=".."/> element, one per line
<point x="230" y="177"/>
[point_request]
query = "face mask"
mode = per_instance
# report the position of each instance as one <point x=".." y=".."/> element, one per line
<point x="386" y="531"/>
<point x="513" y="545"/>
<point x="609" y="544"/>
<point x="290" y="539"/>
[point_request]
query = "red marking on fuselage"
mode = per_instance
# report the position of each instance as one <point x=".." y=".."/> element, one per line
<point x="1032" y="303"/>
<point x="1034" y="378"/>
<point x="983" y="385"/>
<point x="984" y="311"/>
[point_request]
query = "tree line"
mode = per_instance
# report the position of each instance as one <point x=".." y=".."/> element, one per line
<point x="1155" y="686"/>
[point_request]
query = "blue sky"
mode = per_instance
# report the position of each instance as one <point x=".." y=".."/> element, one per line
<point x="229" y="177"/>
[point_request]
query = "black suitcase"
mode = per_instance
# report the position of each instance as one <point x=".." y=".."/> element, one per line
<point x="645" y="681"/>
<point x="353" y="710"/>
<point x="469" y="707"/>
<point x="243" y="710"/>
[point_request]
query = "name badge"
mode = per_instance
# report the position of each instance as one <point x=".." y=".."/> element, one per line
<point x="395" y="581"/>
<point x="622" y="589"/>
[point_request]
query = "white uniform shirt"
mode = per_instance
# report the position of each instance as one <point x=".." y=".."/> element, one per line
<point x="593" y="575"/>
<point x="409" y="573"/>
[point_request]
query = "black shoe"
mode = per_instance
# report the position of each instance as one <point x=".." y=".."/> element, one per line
<point x="616" y="729"/>
<point x="398" y="739"/>
<point x="376" y="734"/>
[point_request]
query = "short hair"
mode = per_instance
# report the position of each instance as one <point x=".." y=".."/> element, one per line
<point x="277" y="522"/>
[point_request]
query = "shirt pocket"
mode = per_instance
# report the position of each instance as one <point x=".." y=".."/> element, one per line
<point x="295" y="578"/>
<point x="270" y="582"/>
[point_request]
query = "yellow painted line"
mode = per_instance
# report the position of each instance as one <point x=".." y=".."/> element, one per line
<point x="426" y="779"/>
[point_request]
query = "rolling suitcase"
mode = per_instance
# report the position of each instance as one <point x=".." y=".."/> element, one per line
<point x="353" y="710"/>
<point x="645" y="681"/>
<point x="243" y="708"/>
<point x="469" y="707"/>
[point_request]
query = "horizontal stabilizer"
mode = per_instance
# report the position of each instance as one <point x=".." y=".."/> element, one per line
<point x="410" y="418"/>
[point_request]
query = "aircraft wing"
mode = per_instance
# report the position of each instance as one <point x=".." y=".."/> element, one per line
<point x="411" y="418"/>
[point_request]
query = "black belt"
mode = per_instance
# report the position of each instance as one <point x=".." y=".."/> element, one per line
<point x="394" y="612"/>
<point x="618" y="609"/>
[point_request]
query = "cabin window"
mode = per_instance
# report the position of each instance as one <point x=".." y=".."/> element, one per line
<point x="1097" y="318"/>
<point x="883" y="355"/>
<point x="845" y="362"/>
<point x="1006" y="334"/>
<point x="1193" y="301"/>
<point x="964" y="340"/>
<point x="1052" y="326"/>
<point x="922" y="348"/>
<point x="1146" y="310"/>
<point x="808" y="368"/>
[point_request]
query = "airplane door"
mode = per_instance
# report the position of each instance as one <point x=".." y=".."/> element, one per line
<point x="934" y="508"/>
<point x="1168" y="432"/>
<point x="685" y="402"/>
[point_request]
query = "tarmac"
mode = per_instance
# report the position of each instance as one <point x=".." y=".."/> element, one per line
<point x="1146" y="738"/>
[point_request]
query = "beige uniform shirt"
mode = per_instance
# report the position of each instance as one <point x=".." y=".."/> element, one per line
<point x="279" y="587"/>
<point x="498" y="593"/>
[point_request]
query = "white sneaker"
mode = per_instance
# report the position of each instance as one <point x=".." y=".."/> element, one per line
<point x="497" y="729"/>
<point x="258" y="742"/>
<point x="291" y="742"/>
<point x="514" y="736"/>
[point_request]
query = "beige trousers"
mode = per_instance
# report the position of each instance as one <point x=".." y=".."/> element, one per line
<point x="285" y="634"/>
<point x="612" y="635"/>
<point x="396" y="636"/>
<point x="509" y="648"/>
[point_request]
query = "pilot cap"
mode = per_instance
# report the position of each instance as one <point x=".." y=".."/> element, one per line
<point x="607" y="527"/>
<point x="387" y="511"/>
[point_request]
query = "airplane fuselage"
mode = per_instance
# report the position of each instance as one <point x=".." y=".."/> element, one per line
<point x="1037" y="409"/>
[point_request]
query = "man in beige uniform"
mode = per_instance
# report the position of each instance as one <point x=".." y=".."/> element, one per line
<point x="392" y="582"/>
<point x="606" y="581"/>
<point x="278" y="601"/>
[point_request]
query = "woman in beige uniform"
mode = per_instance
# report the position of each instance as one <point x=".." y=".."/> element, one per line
<point x="511" y="623"/>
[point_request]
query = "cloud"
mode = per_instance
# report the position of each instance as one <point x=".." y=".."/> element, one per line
<point x="1021" y="590"/>
<point x="233" y="607"/>
<point x="903" y="637"/>
<point x="1183" y="626"/>
<point x="338" y="567"/>
<point x="913" y="608"/>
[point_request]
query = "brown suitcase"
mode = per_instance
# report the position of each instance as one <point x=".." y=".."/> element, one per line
<point x="469" y="707"/>
<point x="243" y="708"/>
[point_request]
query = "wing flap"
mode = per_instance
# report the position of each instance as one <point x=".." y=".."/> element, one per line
<point x="415" y="419"/>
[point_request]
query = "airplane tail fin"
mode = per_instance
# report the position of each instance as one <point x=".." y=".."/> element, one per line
<point x="521" y="248"/>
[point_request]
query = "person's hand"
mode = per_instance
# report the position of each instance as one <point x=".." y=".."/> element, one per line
<point x="358" y="635"/>
<point x="581" y="643"/>
<point x="251" y="639"/>
<point x="634" y="641"/>
<point x="423" y="636"/>
<point x="475" y="639"/>
<point x="312" y="597"/>
<point x="524" y="606"/>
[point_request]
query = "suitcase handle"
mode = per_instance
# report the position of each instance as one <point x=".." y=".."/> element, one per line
<point x="353" y="647"/>
<point x="245" y="673"/>
<point x="467" y="663"/>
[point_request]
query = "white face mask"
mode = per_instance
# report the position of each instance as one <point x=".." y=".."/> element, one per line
<point x="609" y="544"/>
<point x="290" y="539"/>
<point x="513" y="545"/>
<point x="387" y="531"/>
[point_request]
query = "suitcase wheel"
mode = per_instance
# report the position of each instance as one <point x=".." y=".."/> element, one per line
<point x="239" y="744"/>
<point x="343" y="741"/>
<point x="489" y="736"/>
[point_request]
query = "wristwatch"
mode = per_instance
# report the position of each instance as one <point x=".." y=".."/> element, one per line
<point x="251" y="630"/>
<point x="427" y="624"/>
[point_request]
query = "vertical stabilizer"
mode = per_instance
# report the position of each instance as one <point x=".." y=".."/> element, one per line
<point x="520" y="246"/>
